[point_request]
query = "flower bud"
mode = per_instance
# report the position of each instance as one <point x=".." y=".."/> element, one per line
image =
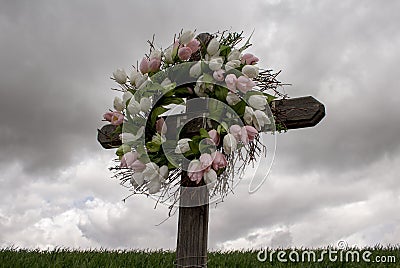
<point x="144" y="65"/>
<point x="145" y="104"/>
<point x="184" y="53"/>
<point x="234" y="55"/>
<point x="213" y="47"/>
<point x="186" y="37"/>
<point x="230" y="143"/>
<point x="258" y="102"/>
<point x="195" y="71"/>
<point x="215" y="64"/>
<point x="155" y="54"/>
<point x="250" y="71"/>
<point x="120" y="76"/>
<point x="118" y="104"/>
<point x="232" y="98"/>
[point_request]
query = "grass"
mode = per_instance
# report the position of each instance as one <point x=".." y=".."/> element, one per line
<point x="64" y="257"/>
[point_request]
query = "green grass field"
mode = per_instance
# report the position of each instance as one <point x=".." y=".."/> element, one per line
<point x="12" y="257"/>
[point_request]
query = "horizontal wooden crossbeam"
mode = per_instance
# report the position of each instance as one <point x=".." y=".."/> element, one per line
<point x="290" y="113"/>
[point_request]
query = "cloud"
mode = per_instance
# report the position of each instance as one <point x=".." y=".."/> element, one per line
<point x="335" y="181"/>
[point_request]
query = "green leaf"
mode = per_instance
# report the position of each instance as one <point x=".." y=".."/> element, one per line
<point x="204" y="133"/>
<point x="194" y="145"/>
<point x="123" y="149"/>
<point x="171" y="100"/>
<point x="221" y="93"/>
<point x="270" y="98"/>
<point x="239" y="108"/>
<point x="181" y="91"/>
<point x="152" y="147"/>
<point x="224" y="50"/>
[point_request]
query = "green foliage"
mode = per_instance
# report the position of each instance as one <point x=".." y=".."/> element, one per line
<point x="204" y="133"/>
<point x="220" y="93"/>
<point x="239" y="108"/>
<point x="57" y="258"/>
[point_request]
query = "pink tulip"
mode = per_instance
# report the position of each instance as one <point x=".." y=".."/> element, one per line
<point x="194" y="45"/>
<point x="249" y="59"/>
<point x="128" y="159"/>
<point x="195" y="173"/>
<point x="251" y="132"/>
<point x="190" y="90"/>
<point x="219" y="75"/>
<point x="243" y="136"/>
<point x="161" y="127"/>
<point x="244" y="84"/>
<point x="184" y="53"/>
<point x="138" y="166"/>
<point x="214" y="136"/>
<point x="108" y="116"/>
<point x="235" y="130"/>
<point x="230" y="81"/>
<point x="117" y="118"/>
<point x="206" y="162"/>
<point x="219" y="161"/>
<point x="144" y="65"/>
<point x="154" y="65"/>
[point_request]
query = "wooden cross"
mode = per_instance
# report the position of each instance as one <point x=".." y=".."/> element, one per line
<point x="192" y="234"/>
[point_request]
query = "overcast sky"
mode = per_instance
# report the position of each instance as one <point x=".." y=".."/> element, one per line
<point x="336" y="181"/>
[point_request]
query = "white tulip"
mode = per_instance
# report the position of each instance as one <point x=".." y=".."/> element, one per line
<point x="137" y="78"/>
<point x="130" y="137"/>
<point x="118" y="104"/>
<point x="155" y="54"/>
<point x="248" y="115"/>
<point x="213" y="47"/>
<point x="133" y="107"/>
<point x="164" y="173"/>
<point x="126" y="96"/>
<point x="234" y="55"/>
<point x="260" y="119"/>
<point x="169" y="54"/>
<point x="183" y="146"/>
<point x="233" y="64"/>
<point x="151" y="172"/>
<point x="195" y="70"/>
<point x="258" y="102"/>
<point x="216" y="63"/>
<point x="154" y="186"/>
<point x="250" y="71"/>
<point x="232" y="98"/>
<point x="230" y="143"/>
<point x="166" y="82"/>
<point x="210" y="176"/>
<point x="186" y="37"/>
<point x="145" y="104"/>
<point x="120" y="76"/>
<point x="137" y="179"/>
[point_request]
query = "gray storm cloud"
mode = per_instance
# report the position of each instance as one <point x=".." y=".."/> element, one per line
<point x="334" y="181"/>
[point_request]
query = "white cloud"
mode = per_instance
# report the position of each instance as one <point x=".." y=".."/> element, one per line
<point x="335" y="181"/>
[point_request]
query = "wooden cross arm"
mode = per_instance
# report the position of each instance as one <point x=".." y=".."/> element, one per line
<point x="291" y="113"/>
<point x="298" y="112"/>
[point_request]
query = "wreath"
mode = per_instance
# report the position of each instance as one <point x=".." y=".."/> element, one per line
<point x="225" y="98"/>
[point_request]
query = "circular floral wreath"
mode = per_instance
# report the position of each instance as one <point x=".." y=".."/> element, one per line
<point x="227" y="107"/>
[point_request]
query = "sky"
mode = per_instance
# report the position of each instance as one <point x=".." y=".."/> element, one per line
<point x="336" y="181"/>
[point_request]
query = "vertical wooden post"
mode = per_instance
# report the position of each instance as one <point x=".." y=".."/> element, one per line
<point x="192" y="238"/>
<point x="192" y="235"/>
